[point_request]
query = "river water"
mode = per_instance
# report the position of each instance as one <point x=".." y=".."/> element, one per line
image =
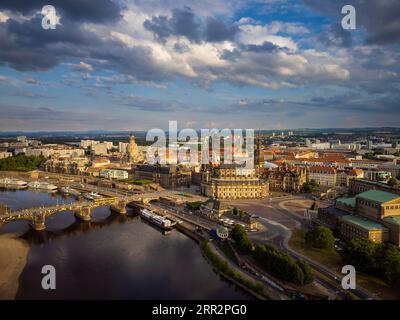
<point x="111" y="257"/>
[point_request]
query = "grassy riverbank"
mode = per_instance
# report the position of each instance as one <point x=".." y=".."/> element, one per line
<point x="223" y="267"/>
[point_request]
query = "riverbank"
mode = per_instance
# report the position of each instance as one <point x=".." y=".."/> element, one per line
<point x="233" y="274"/>
<point x="13" y="258"/>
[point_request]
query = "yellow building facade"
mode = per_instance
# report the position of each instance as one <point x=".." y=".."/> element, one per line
<point x="232" y="182"/>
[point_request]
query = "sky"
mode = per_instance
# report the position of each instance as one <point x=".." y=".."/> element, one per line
<point x="136" y="64"/>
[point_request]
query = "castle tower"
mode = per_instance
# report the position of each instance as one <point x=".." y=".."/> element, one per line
<point x="258" y="156"/>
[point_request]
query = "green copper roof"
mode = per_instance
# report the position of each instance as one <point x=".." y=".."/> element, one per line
<point x="378" y="196"/>
<point x="364" y="223"/>
<point x="393" y="219"/>
<point x="350" y="202"/>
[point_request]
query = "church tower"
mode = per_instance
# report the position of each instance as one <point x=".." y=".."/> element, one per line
<point x="132" y="150"/>
<point x="258" y="156"/>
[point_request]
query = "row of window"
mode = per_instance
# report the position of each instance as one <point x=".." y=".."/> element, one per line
<point x="351" y="231"/>
<point x="392" y="207"/>
<point x="369" y="204"/>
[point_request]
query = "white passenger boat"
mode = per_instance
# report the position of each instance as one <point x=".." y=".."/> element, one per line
<point x="70" y="191"/>
<point x="13" y="182"/>
<point x="42" y="185"/>
<point x="92" y="196"/>
<point x="160" y="221"/>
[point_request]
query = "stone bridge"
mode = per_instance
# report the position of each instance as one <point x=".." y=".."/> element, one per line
<point x="82" y="209"/>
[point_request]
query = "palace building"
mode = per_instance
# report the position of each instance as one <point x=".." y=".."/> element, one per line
<point x="232" y="181"/>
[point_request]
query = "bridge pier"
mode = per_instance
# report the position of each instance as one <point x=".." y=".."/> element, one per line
<point x="84" y="214"/>
<point x="119" y="207"/>
<point x="38" y="221"/>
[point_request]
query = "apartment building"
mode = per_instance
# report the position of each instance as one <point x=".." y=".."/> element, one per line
<point x="323" y="176"/>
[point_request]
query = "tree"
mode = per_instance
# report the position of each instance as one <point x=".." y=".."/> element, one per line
<point x="194" y="205"/>
<point x="320" y="237"/>
<point x="361" y="253"/>
<point x="389" y="262"/>
<point x="242" y="241"/>
<point x="21" y="162"/>
<point x="307" y="271"/>
<point x="369" y="156"/>
<point x="310" y="186"/>
<point x="349" y="296"/>
<point x="281" y="265"/>
<point x="382" y="260"/>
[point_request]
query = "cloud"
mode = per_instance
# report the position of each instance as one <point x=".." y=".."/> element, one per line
<point x="185" y="23"/>
<point x="29" y="80"/>
<point x="82" y="66"/>
<point x="181" y="47"/>
<point x="27" y="46"/>
<point x="286" y="27"/>
<point x="336" y="36"/>
<point x="182" y="23"/>
<point x="162" y="45"/>
<point x="256" y="34"/>
<point x="53" y="118"/>
<point x="204" y="49"/>
<point x="146" y="104"/>
<point x="216" y="30"/>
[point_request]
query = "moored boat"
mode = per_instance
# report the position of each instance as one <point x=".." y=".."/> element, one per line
<point x="13" y="182"/>
<point x="92" y="196"/>
<point x="70" y="191"/>
<point x="159" y="221"/>
<point x="42" y="185"/>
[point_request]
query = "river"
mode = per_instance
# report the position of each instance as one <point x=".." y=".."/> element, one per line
<point x="111" y="257"/>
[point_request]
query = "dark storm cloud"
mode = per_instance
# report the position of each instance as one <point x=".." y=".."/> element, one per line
<point x="30" y="33"/>
<point x="159" y="26"/>
<point x="217" y="30"/>
<point x="136" y="61"/>
<point x="336" y="36"/>
<point x="97" y="11"/>
<point x="379" y="18"/>
<point x="27" y="46"/>
<point x="181" y="47"/>
<point x="184" y="22"/>
<point x="233" y="55"/>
